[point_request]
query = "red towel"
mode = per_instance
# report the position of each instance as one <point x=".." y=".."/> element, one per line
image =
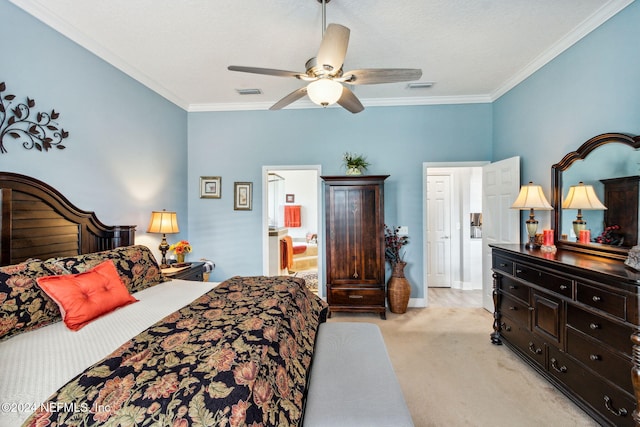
<point x="292" y="216"/>
<point x="286" y="253"/>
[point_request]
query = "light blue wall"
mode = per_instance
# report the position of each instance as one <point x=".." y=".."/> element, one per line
<point x="592" y="88"/>
<point x="396" y="141"/>
<point x="127" y="150"/>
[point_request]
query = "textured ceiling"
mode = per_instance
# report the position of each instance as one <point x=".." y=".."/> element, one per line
<point x="474" y="50"/>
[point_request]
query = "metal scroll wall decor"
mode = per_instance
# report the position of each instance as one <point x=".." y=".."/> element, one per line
<point x="17" y="125"/>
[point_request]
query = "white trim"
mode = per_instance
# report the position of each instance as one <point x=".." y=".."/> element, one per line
<point x="596" y="19"/>
<point x="372" y="102"/>
<point x="58" y="23"/>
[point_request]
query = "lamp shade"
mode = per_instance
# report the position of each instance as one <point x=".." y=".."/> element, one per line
<point x="163" y="222"/>
<point x="324" y="91"/>
<point x="582" y="196"/>
<point x="531" y="197"/>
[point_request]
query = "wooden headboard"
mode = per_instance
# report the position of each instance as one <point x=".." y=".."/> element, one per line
<point x="37" y="221"/>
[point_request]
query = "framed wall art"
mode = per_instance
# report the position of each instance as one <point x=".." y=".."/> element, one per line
<point x="210" y="187"/>
<point x="242" y="195"/>
<point x="291" y="198"/>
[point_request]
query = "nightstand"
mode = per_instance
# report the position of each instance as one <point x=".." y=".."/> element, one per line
<point x="193" y="272"/>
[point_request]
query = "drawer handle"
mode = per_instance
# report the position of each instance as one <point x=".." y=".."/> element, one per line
<point x="356" y="296"/>
<point x="594" y="326"/>
<point x="502" y="264"/>
<point x="533" y="348"/>
<point x="563" y="287"/>
<point x="518" y="271"/>
<point x="512" y="308"/>
<point x="596" y="298"/>
<point x="554" y="364"/>
<point x="617" y="412"/>
<point x="513" y="287"/>
<point x="595" y="357"/>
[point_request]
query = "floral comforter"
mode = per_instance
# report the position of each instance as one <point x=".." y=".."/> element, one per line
<point x="238" y="355"/>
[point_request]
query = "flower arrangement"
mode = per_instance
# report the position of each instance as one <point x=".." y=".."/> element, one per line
<point x="180" y="248"/>
<point x="393" y="243"/>
<point x="611" y="236"/>
<point x="355" y="161"/>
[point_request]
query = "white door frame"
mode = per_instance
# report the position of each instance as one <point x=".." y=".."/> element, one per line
<point x="425" y="167"/>
<point x="265" y="218"/>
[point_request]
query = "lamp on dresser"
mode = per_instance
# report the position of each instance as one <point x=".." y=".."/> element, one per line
<point x="581" y="197"/>
<point x="166" y="223"/>
<point x="531" y="197"/>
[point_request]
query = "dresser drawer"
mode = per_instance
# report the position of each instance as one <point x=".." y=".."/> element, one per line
<point x="610" y="333"/>
<point x="610" y="401"/>
<point x="356" y="296"/>
<point x="520" y="337"/>
<point x="503" y="264"/>
<point x="602" y="300"/>
<point x="558" y="284"/>
<point x="600" y="359"/>
<point x="514" y="288"/>
<point x="515" y="309"/>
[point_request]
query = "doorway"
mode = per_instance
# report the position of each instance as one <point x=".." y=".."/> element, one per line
<point x="292" y="207"/>
<point x="482" y="201"/>
<point x="453" y="226"/>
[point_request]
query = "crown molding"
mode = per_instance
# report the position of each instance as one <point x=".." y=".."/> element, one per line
<point x="60" y="25"/>
<point x="598" y="18"/>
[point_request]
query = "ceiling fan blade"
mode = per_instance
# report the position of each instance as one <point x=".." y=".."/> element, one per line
<point x="333" y="48"/>
<point x="292" y="97"/>
<point x="349" y="101"/>
<point x="267" y="71"/>
<point x="372" y="76"/>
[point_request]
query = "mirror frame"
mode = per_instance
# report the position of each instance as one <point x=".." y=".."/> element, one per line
<point x="581" y="153"/>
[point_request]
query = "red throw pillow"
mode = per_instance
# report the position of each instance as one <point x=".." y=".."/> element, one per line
<point x="86" y="296"/>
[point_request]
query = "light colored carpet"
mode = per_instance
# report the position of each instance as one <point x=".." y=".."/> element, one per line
<point x="310" y="277"/>
<point x="451" y="374"/>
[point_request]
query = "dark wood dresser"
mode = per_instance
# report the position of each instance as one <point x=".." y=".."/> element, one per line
<point x="574" y="318"/>
<point x="354" y="215"/>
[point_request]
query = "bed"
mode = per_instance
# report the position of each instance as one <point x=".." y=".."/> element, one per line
<point x="185" y="353"/>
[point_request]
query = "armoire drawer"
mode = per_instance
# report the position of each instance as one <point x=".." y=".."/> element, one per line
<point x="610" y="333"/>
<point x="607" y="399"/>
<point x="558" y="284"/>
<point x="356" y="296"/>
<point x="600" y="359"/>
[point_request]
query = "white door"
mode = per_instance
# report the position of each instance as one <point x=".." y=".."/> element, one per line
<point x="439" y="230"/>
<point x="500" y="223"/>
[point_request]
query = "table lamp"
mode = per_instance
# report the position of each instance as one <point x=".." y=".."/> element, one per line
<point x="580" y="197"/>
<point x="531" y="197"/>
<point x="166" y="223"/>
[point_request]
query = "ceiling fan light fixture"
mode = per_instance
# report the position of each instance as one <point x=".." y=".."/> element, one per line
<point x="324" y="92"/>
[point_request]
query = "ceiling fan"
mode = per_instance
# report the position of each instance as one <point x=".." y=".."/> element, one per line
<point x="325" y="75"/>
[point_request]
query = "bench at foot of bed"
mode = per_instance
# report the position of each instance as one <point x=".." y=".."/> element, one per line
<point x="352" y="381"/>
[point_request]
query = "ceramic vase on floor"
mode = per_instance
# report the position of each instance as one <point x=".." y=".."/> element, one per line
<point x="398" y="289"/>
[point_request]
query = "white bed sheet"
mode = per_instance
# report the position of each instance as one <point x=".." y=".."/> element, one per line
<point x="35" y="364"/>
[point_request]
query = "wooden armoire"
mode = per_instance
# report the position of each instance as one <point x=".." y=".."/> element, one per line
<point x="354" y="236"/>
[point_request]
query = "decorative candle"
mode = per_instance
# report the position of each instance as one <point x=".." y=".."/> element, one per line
<point x="548" y="237"/>
<point x="585" y="236"/>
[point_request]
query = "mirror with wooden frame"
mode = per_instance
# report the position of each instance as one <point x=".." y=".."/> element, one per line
<point x="610" y="165"/>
